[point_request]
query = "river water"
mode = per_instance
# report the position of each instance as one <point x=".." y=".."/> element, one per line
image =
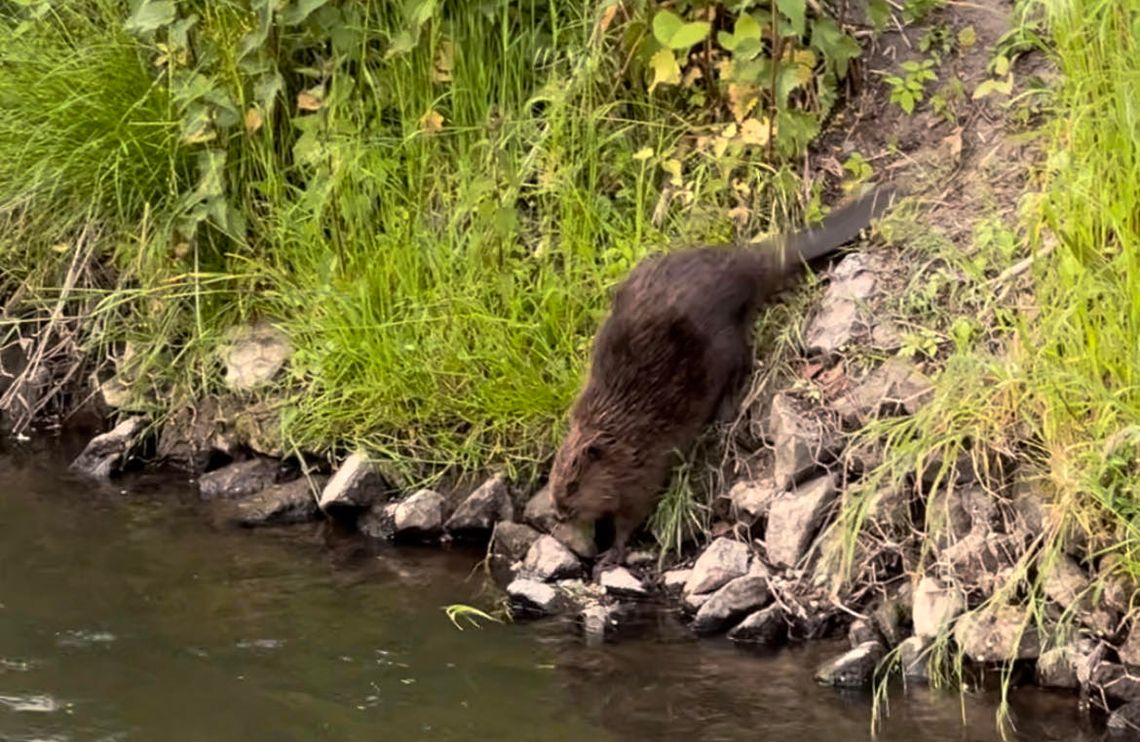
<point x="127" y="613"/>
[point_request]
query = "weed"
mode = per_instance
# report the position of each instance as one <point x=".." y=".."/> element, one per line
<point x="910" y="89"/>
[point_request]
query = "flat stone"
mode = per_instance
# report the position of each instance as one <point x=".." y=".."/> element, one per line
<point x="935" y="607"/>
<point x="912" y="658"/>
<point x="724" y="560"/>
<point x="238" y="480"/>
<point x="420" y="515"/>
<point x="693" y="602"/>
<point x="766" y="627"/>
<point x="1116" y="681"/>
<point x="483" y="508"/>
<point x="621" y="582"/>
<point x="750" y="500"/>
<point x="895" y="387"/>
<point x="547" y="559"/>
<point x="281" y="504"/>
<point x="532" y="596"/>
<point x="254" y="355"/>
<point x="355" y="486"/>
<point x="798" y="441"/>
<point x="862" y="631"/>
<point x="996" y="633"/>
<point x="852" y="669"/>
<point x="841" y="318"/>
<point x="794" y="518"/>
<point x="511" y="541"/>
<point x="1067" y="585"/>
<point x="675" y="579"/>
<point x="732" y="602"/>
<point x="107" y="452"/>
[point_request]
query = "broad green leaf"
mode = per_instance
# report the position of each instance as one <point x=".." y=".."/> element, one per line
<point x="989" y="87"/>
<point x="179" y="31"/>
<point x="298" y="10"/>
<point x="671" y="31"/>
<point x="878" y="13"/>
<point x="748" y="49"/>
<point x="796" y="13"/>
<point x="967" y="37"/>
<point x="748" y="28"/>
<point x="665" y="69"/>
<point x="150" y="16"/>
<point x="837" y="47"/>
<point x="419" y="11"/>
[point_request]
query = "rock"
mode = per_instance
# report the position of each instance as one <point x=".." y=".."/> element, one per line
<point x="539" y="511"/>
<point x="1129" y="651"/>
<point x="254" y="355"/>
<point x="766" y="627"/>
<point x="1125" y="719"/>
<point x="419" y="515"/>
<point x="258" y="428"/>
<point x="107" y="452"/>
<point x="794" y="518"/>
<point x="852" y="669"/>
<point x="750" y="500"/>
<point x="578" y="538"/>
<point x="281" y="504"/>
<point x="732" y="602"/>
<point x="892" y="617"/>
<point x="840" y="318"/>
<point x="621" y="582"/>
<point x="1116" y="682"/>
<point x="1057" y="668"/>
<point x="722" y="561"/>
<point x="995" y="633"/>
<point x="597" y="618"/>
<point x="797" y="439"/>
<point x="193" y="434"/>
<point x="547" y="559"/>
<point x="510" y="541"/>
<point x="483" y="508"/>
<point x="912" y="658"/>
<point x="356" y="486"/>
<point x="1119" y="588"/>
<point x="379" y="521"/>
<point x="862" y="631"/>
<point x="895" y="387"/>
<point x="238" y="480"/>
<point x="935" y="607"/>
<point x="1066" y="584"/>
<point x="675" y="579"/>
<point x="981" y="562"/>
<point x="532" y="596"/>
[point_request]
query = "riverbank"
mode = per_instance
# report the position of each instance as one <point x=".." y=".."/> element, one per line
<point x="934" y="456"/>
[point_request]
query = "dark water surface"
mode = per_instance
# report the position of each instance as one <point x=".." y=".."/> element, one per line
<point x="127" y="614"/>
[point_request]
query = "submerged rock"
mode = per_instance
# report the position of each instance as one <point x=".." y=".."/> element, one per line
<point x="254" y="355"/>
<point x="996" y="633"/>
<point x="281" y="504"/>
<point x="482" y="509"/>
<point x="420" y="515"/>
<point x="852" y="669"/>
<point x="935" y="607"/>
<point x="107" y="452"/>
<point x="547" y="559"/>
<point x="799" y="442"/>
<point x="238" y="480"/>
<point x="510" y="541"/>
<point x="912" y="658"/>
<point x="722" y="561"/>
<point x="379" y="521"/>
<point x="356" y="486"/>
<point x="732" y="602"/>
<point x="1060" y="667"/>
<point x="532" y="596"/>
<point x="766" y="627"/>
<point x="621" y="582"/>
<point x="794" y="518"/>
<point x="862" y="631"/>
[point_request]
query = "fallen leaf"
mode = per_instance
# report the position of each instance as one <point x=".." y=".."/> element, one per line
<point x="738" y="214"/>
<point x="308" y="100"/>
<point x="643" y="154"/>
<point x="953" y="141"/>
<point x="607" y="18"/>
<point x="431" y="122"/>
<point x="253" y="119"/>
<point x="755" y="131"/>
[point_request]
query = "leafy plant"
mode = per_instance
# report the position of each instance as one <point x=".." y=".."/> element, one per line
<point x="910" y="89"/>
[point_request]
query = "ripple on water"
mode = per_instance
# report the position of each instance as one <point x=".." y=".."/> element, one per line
<point x="10" y="665"/>
<point x="83" y="638"/>
<point x="37" y="703"/>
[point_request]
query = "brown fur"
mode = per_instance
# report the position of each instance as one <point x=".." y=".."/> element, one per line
<point x="668" y="361"/>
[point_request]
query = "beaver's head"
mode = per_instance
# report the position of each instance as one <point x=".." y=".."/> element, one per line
<point x="585" y="478"/>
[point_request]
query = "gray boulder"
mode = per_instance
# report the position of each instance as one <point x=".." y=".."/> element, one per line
<point x="997" y="633"/>
<point x="862" y="631"/>
<point x="355" y="486"/>
<point x="1067" y="585"/>
<point x="724" y="560"/>
<point x="1115" y="681"/>
<point x="841" y="317"/>
<point x="281" y="504"/>
<point x="621" y="582"/>
<point x="238" y="480"/>
<point x="253" y="355"/>
<point x="852" y="669"/>
<point x="482" y="509"/>
<point x="913" y="659"/>
<point x="539" y="511"/>
<point x="1125" y="721"/>
<point x="510" y="541"/>
<point x="935" y="607"/>
<point x="420" y="515"/>
<point x="533" y="597"/>
<point x="732" y="602"/>
<point x="895" y="387"/>
<point x="800" y="442"/>
<point x="107" y="452"/>
<point x="379" y="521"/>
<point x="750" y="499"/>
<point x="766" y="627"/>
<point x="794" y="518"/>
<point x="675" y="580"/>
<point x="547" y="559"/>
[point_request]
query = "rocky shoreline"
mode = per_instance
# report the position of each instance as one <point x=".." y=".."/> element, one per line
<point x="765" y="578"/>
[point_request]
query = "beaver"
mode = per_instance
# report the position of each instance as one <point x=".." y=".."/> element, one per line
<point x="669" y="360"/>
